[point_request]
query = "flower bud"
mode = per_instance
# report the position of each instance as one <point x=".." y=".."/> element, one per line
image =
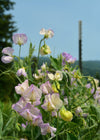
<point x="65" y="114"/>
<point x="44" y="50"/>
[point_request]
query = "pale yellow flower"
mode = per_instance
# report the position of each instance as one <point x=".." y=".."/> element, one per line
<point x="96" y="82"/>
<point x="52" y="102"/>
<point x="57" y="76"/>
<point x="43" y="67"/>
<point x="47" y="33"/>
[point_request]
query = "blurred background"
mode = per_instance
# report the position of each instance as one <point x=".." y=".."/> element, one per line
<point x="29" y="16"/>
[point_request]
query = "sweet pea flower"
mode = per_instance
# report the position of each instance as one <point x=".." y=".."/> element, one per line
<point x="67" y="58"/>
<point x="65" y="114"/>
<point x="22" y="88"/>
<point x="19" y="39"/>
<point x="78" y="111"/>
<point x="6" y="59"/>
<point x="96" y="82"/>
<point x="34" y="94"/>
<point x="97" y="95"/>
<point x="27" y="114"/>
<point x="88" y="85"/>
<point x="52" y="102"/>
<point x="32" y="114"/>
<point x="46" y="88"/>
<point x="8" y="51"/>
<point x="38" y="76"/>
<point x="37" y="120"/>
<point x="43" y="67"/>
<point x="46" y="128"/>
<point x="47" y="33"/>
<point x="21" y="71"/>
<point x="19" y="105"/>
<point x="58" y="76"/>
<point x="24" y="125"/>
<point x="28" y="111"/>
<point x="65" y="100"/>
<point x="45" y="49"/>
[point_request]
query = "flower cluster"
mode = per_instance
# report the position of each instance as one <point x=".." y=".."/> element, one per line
<point x="7" y="57"/>
<point x="50" y="96"/>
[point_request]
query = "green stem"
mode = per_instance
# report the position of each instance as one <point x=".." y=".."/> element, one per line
<point x="67" y="75"/>
<point x="30" y="71"/>
<point x="32" y="136"/>
<point x="57" y="126"/>
<point x="39" y="52"/>
<point x="19" y="54"/>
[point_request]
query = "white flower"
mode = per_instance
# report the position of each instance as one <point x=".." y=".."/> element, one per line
<point x="57" y="76"/>
<point x="96" y="82"/>
<point x="43" y="67"/>
<point x="47" y="33"/>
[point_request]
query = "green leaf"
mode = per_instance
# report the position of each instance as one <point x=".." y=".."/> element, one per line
<point x="71" y="137"/>
<point x="96" y="111"/>
<point x="31" y="50"/>
<point x="1" y="123"/>
<point x="9" y="125"/>
<point x="56" y="63"/>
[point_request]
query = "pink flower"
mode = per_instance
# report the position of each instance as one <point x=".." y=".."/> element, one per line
<point x="8" y="51"/>
<point x="22" y="88"/>
<point x="67" y="58"/>
<point x="21" y="71"/>
<point x="19" y="105"/>
<point x="46" y="128"/>
<point x="46" y="88"/>
<point x="34" y="94"/>
<point x="6" y="59"/>
<point x="88" y="85"/>
<point x="32" y="114"/>
<point x="19" y="39"/>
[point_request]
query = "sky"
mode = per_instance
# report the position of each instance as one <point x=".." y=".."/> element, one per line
<point x="62" y="16"/>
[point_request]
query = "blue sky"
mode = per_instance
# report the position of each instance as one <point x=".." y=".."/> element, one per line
<point x="62" y="16"/>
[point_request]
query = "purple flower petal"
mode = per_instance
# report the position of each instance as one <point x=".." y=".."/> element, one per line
<point x="21" y="71"/>
<point x="19" y="39"/>
<point x="6" y="59"/>
<point x="8" y="51"/>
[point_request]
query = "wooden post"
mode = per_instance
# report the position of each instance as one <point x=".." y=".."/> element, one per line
<point x="80" y="46"/>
